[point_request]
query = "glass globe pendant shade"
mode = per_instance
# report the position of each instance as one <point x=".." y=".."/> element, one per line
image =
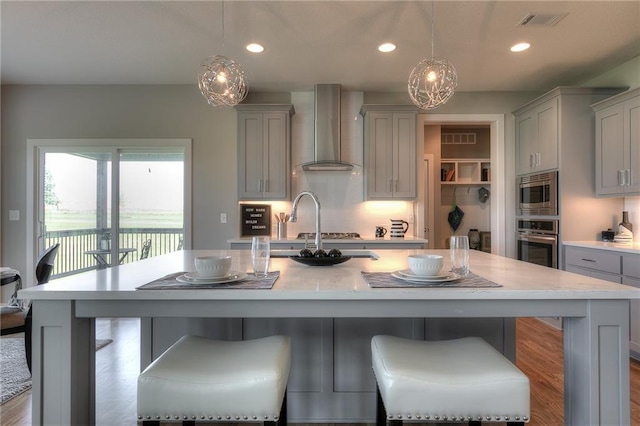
<point x="222" y="81"/>
<point x="432" y="82"/>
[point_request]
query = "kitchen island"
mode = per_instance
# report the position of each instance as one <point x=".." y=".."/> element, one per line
<point x="595" y="312"/>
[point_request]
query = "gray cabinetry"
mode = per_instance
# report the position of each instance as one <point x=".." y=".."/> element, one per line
<point x="617" y="267"/>
<point x="537" y="137"/>
<point x="390" y="152"/>
<point x="264" y="151"/>
<point x="618" y="144"/>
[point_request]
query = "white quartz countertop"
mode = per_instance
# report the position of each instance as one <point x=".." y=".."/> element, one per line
<point x="297" y="282"/>
<point x="619" y="247"/>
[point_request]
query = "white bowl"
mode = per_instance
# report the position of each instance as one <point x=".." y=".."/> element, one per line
<point x="427" y="265"/>
<point x="212" y="266"/>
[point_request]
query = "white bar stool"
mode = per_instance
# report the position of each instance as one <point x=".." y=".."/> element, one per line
<point x="207" y="380"/>
<point x="460" y="380"/>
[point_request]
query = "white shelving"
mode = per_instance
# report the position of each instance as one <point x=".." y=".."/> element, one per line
<point x="465" y="171"/>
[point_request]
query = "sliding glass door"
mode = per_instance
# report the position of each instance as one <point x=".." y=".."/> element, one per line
<point x="110" y="205"/>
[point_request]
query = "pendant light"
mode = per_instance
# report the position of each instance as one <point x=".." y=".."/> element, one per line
<point x="221" y="79"/>
<point x="432" y="81"/>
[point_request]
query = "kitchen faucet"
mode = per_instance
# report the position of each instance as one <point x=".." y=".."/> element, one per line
<point x="294" y="214"/>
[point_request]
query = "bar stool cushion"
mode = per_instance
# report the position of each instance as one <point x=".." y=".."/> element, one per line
<point x="455" y="379"/>
<point x="203" y="378"/>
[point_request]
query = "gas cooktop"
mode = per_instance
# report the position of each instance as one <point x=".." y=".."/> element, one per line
<point x="330" y="235"/>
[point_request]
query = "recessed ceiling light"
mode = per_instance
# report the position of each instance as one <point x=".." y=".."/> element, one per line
<point x="520" y="47"/>
<point x="255" y="48"/>
<point x="387" y="47"/>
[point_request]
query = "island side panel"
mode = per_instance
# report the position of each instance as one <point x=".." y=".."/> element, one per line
<point x="63" y="358"/>
<point x="598" y="344"/>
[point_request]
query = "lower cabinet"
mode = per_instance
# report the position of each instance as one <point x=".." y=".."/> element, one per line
<point x="617" y="267"/>
<point x="331" y="379"/>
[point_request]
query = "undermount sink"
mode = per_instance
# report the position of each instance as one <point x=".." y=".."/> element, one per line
<point x="346" y="253"/>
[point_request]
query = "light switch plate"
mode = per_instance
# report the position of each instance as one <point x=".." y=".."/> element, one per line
<point x="223" y="218"/>
<point x="14" y="214"/>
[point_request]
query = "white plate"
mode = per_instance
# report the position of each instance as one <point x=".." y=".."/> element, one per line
<point x="194" y="278"/>
<point x="408" y="276"/>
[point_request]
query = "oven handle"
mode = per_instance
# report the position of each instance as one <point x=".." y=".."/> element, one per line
<point x="536" y="238"/>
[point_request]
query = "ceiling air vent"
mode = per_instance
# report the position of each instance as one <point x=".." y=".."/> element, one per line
<point x="540" y="20"/>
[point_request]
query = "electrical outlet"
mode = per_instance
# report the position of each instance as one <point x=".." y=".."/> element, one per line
<point x="14" y="214"/>
<point x="410" y="218"/>
<point x="223" y="218"/>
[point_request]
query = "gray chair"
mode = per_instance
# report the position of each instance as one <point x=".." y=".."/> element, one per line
<point x="44" y="268"/>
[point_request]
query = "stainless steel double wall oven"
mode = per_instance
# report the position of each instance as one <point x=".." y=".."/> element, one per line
<point x="537" y="223"/>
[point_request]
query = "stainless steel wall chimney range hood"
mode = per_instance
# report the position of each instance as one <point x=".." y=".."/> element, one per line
<point x="327" y="146"/>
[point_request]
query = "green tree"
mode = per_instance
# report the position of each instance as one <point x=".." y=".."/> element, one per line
<point x="50" y="197"/>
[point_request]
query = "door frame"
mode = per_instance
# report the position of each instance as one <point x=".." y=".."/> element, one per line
<point x="35" y="178"/>
<point x="498" y="179"/>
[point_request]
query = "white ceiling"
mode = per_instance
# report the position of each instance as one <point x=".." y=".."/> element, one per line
<point x="308" y="42"/>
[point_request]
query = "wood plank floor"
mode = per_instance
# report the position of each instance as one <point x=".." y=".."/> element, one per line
<point x="539" y="348"/>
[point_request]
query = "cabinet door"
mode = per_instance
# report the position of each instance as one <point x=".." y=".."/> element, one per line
<point x="276" y="156"/>
<point x="547" y="136"/>
<point x="525" y="142"/>
<point x="634" y="319"/>
<point x="379" y="145"/>
<point x="609" y="150"/>
<point x="250" y="158"/>
<point x="632" y="138"/>
<point x="404" y="155"/>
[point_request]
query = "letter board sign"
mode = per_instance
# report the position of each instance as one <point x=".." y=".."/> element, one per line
<point x="255" y="219"/>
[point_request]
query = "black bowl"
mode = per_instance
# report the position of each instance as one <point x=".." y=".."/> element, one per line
<point x="320" y="261"/>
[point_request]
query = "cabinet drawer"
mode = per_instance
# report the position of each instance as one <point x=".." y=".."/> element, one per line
<point x="631" y="265"/>
<point x="593" y="259"/>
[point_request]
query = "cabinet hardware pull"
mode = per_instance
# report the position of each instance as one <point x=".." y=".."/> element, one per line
<point x="396" y="188"/>
<point x="628" y="177"/>
<point x="531" y="160"/>
<point x="266" y="185"/>
<point x="390" y="185"/>
<point x="589" y="260"/>
<point x="538" y="159"/>
<point x="259" y="185"/>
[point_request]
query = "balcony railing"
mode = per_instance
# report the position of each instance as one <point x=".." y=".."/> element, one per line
<point x="73" y="258"/>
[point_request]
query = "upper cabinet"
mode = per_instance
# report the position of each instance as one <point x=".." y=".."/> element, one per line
<point x="618" y="144"/>
<point x="390" y="152"/>
<point x="264" y="151"/>
<point x="555" y="131"/>
<point x="537" y="137"/>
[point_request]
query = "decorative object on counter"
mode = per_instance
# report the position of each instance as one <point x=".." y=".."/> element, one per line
<point x="483" y="194"/>
<point x="320" y="257"/>
<point x="456" y="214"/>
<point x="625" y="230"/>
<point x="425" y="265"/>
<point x="281" y="225"/>
<point x="432" y="81"/>
<point x="398" y="228"/>
<point x="485" y="241"/>
<point x="608" y="235"/>
<point x="255" y="219"/>
<point x="260" y="255"/>
<point x="381" y="231"/>
<point x="221" y="80"/>
<point x="459" y="250"/>
<point x="474" y="239"/>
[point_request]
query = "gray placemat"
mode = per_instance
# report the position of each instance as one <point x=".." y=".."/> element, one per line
<point x="169" y="282"/>
<point x="386" y="280"/>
